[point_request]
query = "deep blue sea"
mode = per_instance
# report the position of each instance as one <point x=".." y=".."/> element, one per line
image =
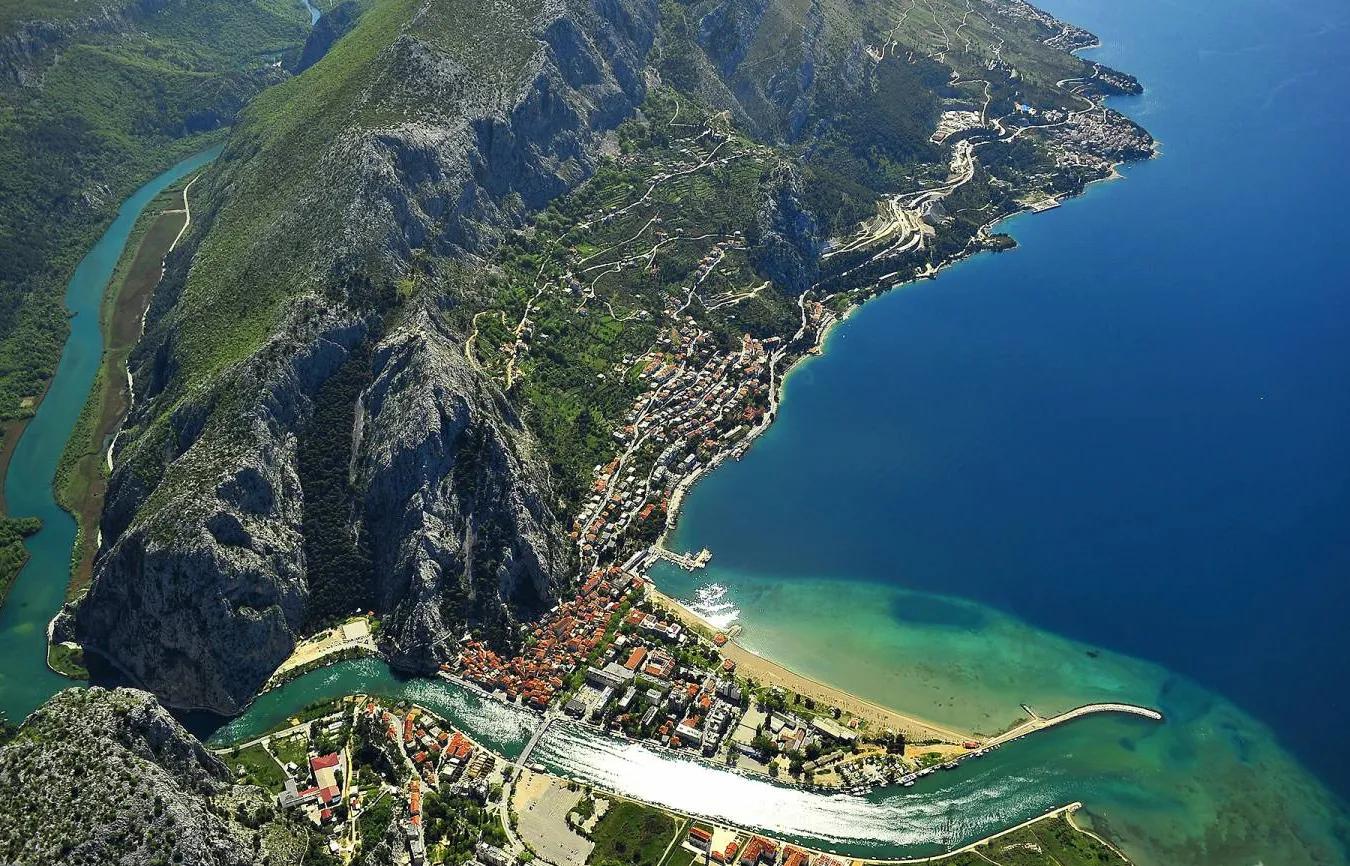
<point x="1113" y="464"/>
<point x="1132" y="432"/>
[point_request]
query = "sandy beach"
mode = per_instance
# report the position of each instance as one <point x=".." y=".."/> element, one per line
<point x="769" y="672"/>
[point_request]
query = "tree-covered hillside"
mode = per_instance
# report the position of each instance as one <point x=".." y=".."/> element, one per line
<point x="94" y="100"/>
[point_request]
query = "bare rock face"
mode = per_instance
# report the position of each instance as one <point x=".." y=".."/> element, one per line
<point x="202" y="595"/>
<point x="790" y="240"/>
<point x="456" y="504"/>
<point x="96" y="776"/>
<point x="201" y="586"/>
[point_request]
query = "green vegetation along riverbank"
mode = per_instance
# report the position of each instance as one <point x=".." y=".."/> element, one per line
<point x="81" y="477"/>
<point x="12" y="552"/>
<point x="95" y="112"/>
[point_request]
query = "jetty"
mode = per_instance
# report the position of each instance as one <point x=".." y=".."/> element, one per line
<point x="689" y="562"/>
<point x="1039" y="723"/>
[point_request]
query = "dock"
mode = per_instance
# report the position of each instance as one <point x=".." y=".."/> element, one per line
<point x="689" y="562"/>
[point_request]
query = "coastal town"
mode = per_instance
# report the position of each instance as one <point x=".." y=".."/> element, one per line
<point x="614" y="655"/>
<point x="619" y="658"/>
<point x="393" y="778"/>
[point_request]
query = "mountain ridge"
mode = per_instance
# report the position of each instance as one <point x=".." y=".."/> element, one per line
<point x="409" y="187"/>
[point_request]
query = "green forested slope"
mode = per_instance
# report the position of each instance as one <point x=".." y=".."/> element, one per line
<point x="89" y="113"/>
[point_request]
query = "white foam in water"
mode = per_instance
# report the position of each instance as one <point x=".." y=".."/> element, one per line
<point x="711" y="603"/>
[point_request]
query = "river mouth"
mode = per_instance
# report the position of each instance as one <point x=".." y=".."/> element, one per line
<point x="1164" y="791"/>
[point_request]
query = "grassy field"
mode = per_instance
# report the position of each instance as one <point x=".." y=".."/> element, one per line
<point x="292" y="749"/>
<point x="632" y="834"/>
<point x="1050" y="842"/>
<point x="67" y="661"/>
<point x="684" y="857"/>
<point x="259" y="767"/>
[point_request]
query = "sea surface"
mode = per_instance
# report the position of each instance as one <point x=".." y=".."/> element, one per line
<point x="1110" y="464"/>
<point x="1114" y="462"/>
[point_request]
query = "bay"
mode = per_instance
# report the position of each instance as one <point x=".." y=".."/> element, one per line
<point x="1110" y="463"/>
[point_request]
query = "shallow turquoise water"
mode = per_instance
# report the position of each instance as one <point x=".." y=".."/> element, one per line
<point x="1127" y="436"/>
<point x="25" y="681"/>
<point x="1066" y="440"/>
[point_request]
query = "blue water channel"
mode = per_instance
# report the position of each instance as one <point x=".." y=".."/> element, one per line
<point x="25" y="680"/>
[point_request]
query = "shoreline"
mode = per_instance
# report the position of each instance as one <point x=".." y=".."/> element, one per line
<point x="81" y="479"/>
<point x="770" y="669"/>
<point x="522" y="770"/>
<point x="10" y="434"/>
<point x="766" y="668"/>
<point x="770" y="672"/>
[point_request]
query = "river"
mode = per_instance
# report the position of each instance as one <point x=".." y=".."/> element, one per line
<point x="25" y="680"/>
<point x="1019" y="781"/>
<point x="878" y="535"/>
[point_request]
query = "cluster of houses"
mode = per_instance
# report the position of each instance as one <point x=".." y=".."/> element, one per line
<point x="1096" y="140"/>
<point x="557" y="645"/>
<point x="698" y="402"/>
<point x="723" y="846"/>
<point x="438" y="755"/>
<point x="323" y="795"/>
<point x="433" y="756"/>
<point x="639" y="686"/>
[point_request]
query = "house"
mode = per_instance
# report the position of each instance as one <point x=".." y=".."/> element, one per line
<point x="292" y="797"/>
<point x="700" y="838"/>
<point x="611" y="675"/>
<point x="759" y="850"/>
<point x="491" y="855"/>
<point x="325" y="770"/>
<point x="833" y="729"/>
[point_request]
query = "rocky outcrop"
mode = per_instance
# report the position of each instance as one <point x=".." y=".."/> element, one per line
<point x="97" y="776"/>
<point x="725" y="33"/>
<point x="201" y="586"/>
<point x="201" y="596"/>
<point x="788" y="248"/>
<point x="458" y="507"/>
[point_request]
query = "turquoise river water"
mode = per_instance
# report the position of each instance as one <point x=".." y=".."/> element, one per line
<point x="1051" y="477"/>
<point x="25" y="681"/>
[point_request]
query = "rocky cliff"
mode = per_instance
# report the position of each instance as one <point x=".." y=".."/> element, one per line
<point x="315" y="435"/>
<point x="421" y="133"/>
<point x="457" y="504"/>
<point x="97" y="777"/>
